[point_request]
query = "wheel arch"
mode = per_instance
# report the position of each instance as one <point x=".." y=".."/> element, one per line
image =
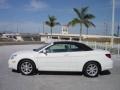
<point x="24" y="60"/>
<point x="92" y="61"/>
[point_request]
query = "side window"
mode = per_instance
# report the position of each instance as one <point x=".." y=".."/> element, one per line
<point x="73" y="48"/>
<point x="78" y="47"/>
<point x="67" y="47"/>
<point x="57" y="48"/>
<point x="85" y="47"/>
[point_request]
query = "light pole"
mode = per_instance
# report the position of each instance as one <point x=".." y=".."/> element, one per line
<point x="113" y="22"/>
<point x="17" y="28"/>
<point x="43" y="27"/>
<point x="118" y="30"/>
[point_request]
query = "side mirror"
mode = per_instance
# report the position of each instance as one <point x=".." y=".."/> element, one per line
<point x="45" y="52"/>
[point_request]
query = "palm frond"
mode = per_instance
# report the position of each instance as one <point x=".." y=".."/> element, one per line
<point x="47" y="23"/>
<point x="52" y="18"/>
<point x="89" y="24"/>
<point x="84" y="10"/>
<point x="86" y="25"/>
<point x="74" y="22"/>
<point x="57" y="23"/>
<point x="77" y="12"/>
<point x="52" y="21"/>
<point x="89" y="16"/>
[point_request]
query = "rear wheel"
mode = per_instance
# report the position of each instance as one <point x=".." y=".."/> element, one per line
<point x="27" y="67"/>
<point x="91" y="69"/>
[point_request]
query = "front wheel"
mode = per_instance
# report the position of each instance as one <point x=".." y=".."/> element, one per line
<point x="91" y="69"/>
<point x="26" y="67"/>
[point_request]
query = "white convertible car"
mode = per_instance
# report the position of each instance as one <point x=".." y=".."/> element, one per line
<point x="62" y="56"/>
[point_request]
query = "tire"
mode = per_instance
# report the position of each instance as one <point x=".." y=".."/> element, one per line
<point x="27" y="67"/>
<point x="91" y="69"/>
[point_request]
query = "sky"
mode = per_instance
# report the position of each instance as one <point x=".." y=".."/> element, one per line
<point x="27" y="16"/>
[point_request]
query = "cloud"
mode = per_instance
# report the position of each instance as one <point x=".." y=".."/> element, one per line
<point x="36" y="5"/>
<point x="4" y="4"/>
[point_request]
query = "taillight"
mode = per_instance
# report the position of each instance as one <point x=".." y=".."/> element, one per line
<point x="108" y="55"/>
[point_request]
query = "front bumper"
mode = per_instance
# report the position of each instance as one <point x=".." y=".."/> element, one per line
<point x="12" y="64"/>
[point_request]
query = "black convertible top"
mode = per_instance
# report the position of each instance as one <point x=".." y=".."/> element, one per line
<point x="66" y="42"/>
<point x="80" y="45"/>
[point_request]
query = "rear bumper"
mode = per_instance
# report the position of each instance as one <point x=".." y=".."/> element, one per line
<point x="108" y="65"/>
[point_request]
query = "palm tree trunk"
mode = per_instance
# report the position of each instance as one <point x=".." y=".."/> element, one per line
<point x="80" y="32"/>
<point x="87" y="31"/>
<point x="51" y="33"/>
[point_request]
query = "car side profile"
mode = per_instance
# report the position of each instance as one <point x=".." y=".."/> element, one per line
<point x="62" y="56"/>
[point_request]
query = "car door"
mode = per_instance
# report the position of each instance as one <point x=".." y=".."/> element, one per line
<point x="57" y="58"/>
<point x="77" y="57"/>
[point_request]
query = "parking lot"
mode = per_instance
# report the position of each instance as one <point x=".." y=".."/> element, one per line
<point x="54" y="80"/>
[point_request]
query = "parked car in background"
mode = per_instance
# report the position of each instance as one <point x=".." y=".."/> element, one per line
<point x="62" y="56"/>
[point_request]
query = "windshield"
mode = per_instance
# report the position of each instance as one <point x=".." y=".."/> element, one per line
<point x="38" y="49"/>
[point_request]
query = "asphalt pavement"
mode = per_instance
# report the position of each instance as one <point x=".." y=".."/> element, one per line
<point x="54" y="80"/>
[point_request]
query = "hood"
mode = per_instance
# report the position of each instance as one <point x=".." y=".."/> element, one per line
<point x="25" y="52"/>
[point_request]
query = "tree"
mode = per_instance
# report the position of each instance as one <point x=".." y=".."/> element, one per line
<point x="83" y="18"/>
<point x="52" y="22"/>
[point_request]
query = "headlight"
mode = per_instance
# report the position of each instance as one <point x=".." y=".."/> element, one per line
<point x="13" y="56"/>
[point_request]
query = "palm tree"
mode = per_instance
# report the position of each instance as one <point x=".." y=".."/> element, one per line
<point x="52" y="22"/>
<point x="84" y="18"/>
